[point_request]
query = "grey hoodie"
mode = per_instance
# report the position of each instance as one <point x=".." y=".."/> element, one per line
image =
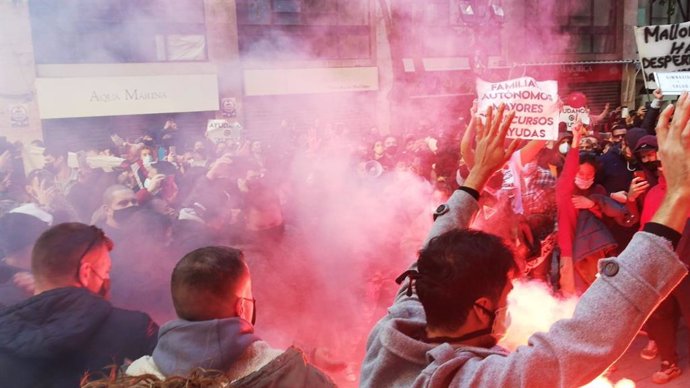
<point x="571" y="354"/>
<point x="215" y="344"/>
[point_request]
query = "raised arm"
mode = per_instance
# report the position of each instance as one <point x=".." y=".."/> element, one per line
<point x="490" y="155"/>
<point x="629" y="288"/>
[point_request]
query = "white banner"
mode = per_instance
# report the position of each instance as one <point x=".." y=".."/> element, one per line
<point x="570" y="115"/>
<point x="663" y="49"/>
<point x="264" y="82"/>
<point x="116" y="96"/>
<point x="535" y="104"/>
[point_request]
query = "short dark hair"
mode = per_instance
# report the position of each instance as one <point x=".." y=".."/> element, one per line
<point x="55" y="152"/>
<point x="58" y="251"/>
<point x="591" y="159"/>
<point x="202" y="278"/>
<point x="457" y="268"/>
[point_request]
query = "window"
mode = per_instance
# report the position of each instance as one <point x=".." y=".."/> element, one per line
<point x="117" y="31"/>
<point x="304" y="29"/>
<point x="591" y="26"/>
<point x="663" y="11"/>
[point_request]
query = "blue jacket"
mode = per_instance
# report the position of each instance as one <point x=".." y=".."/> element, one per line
<point x="54" y="338"/>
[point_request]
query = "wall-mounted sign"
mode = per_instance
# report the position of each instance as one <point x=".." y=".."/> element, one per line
<point x="19" y="115"/>
<point x="264" y="82"/>
<point x="116" y="96"/>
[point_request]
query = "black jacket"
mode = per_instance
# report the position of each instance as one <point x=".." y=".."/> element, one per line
<point x="52" y="339"/>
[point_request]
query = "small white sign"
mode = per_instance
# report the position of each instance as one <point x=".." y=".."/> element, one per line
<point x="219" y="130"/>
<point x="570" y="115"/>
<point x="672" y="84"/>
<point x="535" y="104"/>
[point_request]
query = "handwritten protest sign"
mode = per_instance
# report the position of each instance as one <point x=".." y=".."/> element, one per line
<point x="570" y="115"/>
<point x="535" y="104"/>
<point x="663" y="49"/>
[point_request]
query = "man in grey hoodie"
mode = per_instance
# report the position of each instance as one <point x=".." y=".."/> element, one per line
<point x="446" y="319"/>
<point x="212" y="294"/>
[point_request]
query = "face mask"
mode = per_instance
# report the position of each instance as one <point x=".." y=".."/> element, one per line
<point x="653" y="165"/>
<point x="583" y="184"/>
<point x="147" y="160"/>
<point x="500" y="321"/>
<point x="104" y="291"/>
<point x="564" y="148"/>
<point x="392" y="150"/>
<point x="122" y="215"/>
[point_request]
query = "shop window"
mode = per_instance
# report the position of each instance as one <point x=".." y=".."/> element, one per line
<point x="117" y="31"/>
<point x="304" y="29"/>
<point x="591" y="26"/>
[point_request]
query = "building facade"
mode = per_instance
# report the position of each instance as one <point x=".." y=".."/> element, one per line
<point x="77" y="70"/>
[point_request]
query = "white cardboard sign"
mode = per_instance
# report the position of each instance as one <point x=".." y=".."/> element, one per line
<point x="673" y="84"/>
<point x="535" y="104"/>
<point x="663" y="49"/>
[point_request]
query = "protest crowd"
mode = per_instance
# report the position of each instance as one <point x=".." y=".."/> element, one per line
<point x="183" y="227"/>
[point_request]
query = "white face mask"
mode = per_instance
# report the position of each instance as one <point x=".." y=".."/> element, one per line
<point x="501" y="323"/>
<point x="564" y="148"/>
<point x="148" y="160"/>
<point x="583" y="184"/>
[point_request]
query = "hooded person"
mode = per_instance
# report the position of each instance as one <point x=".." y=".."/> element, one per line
<point x="69" y="328"/>
<point x="212" y="294"/>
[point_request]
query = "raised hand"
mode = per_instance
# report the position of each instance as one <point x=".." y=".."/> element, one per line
<point x="673" y="134"/>
<point x="490" y="154"/>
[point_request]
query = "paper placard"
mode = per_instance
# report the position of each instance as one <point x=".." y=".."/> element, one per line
<point x="673" y="84"/>
<point x="535" y="104"/>
<point x="663" y="49"/>
<point x="219" y="130"/>
<point x="570" y="115"/>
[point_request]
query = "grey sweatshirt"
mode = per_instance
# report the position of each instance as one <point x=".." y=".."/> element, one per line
<point x="571" y="354"/>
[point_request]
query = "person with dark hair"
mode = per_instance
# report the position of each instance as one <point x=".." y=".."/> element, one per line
<point x="68" y="327"/>
<point x="458" y="349"/>
<point x="55" y="161"/>
<point x="118" y="204"/>
<point x="582" y="235"/>
<point x="212" y="293"/>
<point x="18" y="232"/>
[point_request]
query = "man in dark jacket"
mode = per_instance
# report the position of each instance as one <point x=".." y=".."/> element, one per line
<point x="68" y="328"/>
<point x="212" y="293"/>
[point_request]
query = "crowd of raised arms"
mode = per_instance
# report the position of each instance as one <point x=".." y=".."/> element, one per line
<point x="183" y="226"/>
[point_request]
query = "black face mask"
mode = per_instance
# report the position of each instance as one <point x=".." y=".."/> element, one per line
<point x="104" y="291"/>
<point x="392" y="150"/>
<point x="653" y="165"/>
<point x="122" y="215"/>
